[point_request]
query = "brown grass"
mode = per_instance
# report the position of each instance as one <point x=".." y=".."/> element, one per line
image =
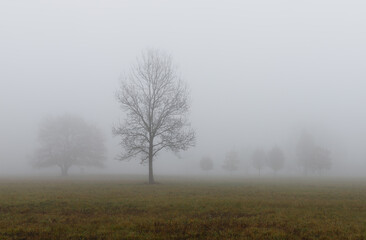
<point x="117" y="208"/>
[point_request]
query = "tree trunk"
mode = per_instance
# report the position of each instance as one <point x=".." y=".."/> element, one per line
<point x="151" y="175"/>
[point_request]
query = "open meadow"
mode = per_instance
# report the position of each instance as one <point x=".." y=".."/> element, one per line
<point x="112" y="207"/>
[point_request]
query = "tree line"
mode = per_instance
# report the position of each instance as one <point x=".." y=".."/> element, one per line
<point x="311" y="158"/>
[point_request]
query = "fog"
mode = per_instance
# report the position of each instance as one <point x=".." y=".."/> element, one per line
<point x="259" y="72"/>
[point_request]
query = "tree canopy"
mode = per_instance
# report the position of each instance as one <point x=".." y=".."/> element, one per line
<point x="68" y="140"/>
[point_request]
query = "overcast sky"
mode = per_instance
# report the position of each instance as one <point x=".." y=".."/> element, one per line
<point x="259" y="71"/>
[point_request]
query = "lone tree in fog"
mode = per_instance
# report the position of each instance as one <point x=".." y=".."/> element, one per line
<point x="231" y="161"/>
<point x="275" y="159"/>
<point x="66" y="141"/>
<point x="259" y="160"/>
<point x="206" y="164"/>
<point x="156" y="104"/>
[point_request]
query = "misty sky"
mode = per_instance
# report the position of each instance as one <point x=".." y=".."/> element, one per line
<point x="260" y="72"/>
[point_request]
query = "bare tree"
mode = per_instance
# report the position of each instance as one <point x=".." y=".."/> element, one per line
<point x="206" y="164"/>
<point x="156" y="104"/>
<point x="276" y="159"/>
<point x="259" y="160"/>
<point x="66" y="141"/>
<point x="231" y="161"/>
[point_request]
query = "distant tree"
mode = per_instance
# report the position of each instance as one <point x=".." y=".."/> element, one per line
<point x="206" y="164"/>
<point x="156" y="103"/>
<point x="305" y="149"/>
<point x="275" y="159"/>
<point x="259" y="160"/>
<point x="322" y="159"/>
<point x="312" y="157"/>
<point x="245" y="159"/>
<point x="231" y="161"/>
<point x="67" y="141"/>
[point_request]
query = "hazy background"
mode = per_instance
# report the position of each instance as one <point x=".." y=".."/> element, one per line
<point x="260" y="72"/>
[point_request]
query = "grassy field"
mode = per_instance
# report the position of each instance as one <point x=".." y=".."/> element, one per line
<point x="118" y="208"/>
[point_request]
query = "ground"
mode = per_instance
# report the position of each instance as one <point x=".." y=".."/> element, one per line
<point x="111" y="207"/>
